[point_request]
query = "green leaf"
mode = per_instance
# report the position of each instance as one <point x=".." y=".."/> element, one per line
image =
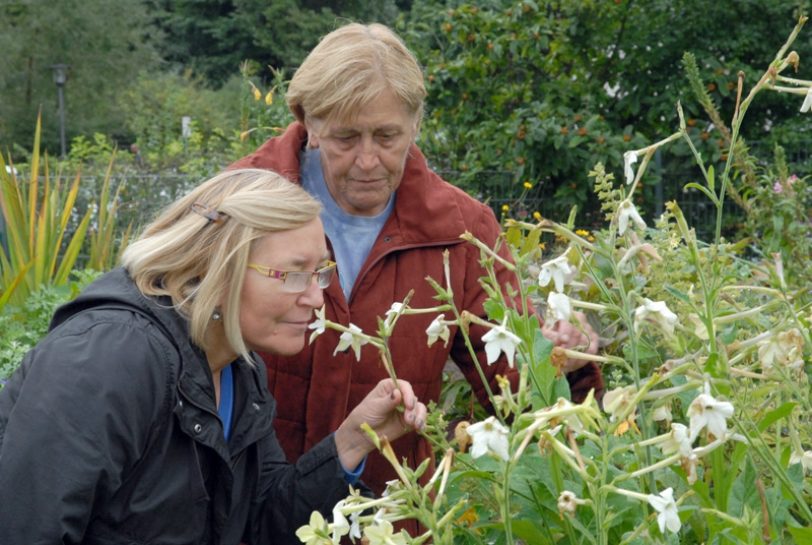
<point x="802" y="536"/>
<point x="703" y="189"/>
<point x="775" y="415"/>
<point x="681" y="295"/>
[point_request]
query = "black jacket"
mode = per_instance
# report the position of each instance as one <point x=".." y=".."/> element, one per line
<point x="109" y="434"/>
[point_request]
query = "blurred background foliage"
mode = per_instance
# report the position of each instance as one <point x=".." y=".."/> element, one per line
<point x="519" y="91"/>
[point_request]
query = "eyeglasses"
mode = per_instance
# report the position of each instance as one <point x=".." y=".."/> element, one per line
<point x="298" y="281"/>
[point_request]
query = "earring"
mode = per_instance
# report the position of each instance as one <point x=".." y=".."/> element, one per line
<point x="216" y="316"/>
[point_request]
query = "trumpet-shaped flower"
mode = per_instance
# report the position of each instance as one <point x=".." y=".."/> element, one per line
<point x="318" y="325"/>
<point x="340" y="525"/>
<point x="351" y="338"/>
<point x="489" y="436"/>
<point x="807" y="105"/>
<point x="391" y="314"/>
<point x="678" y="441"/>
<point x="662" y="413"/>
<point x="617" y="401"/>
<point x="499" y="339"/>
<point x="438" y="329"/>
<point x="666" y="507"/>
<point x="382" y="533"/>
<point x="707" y="412"/>
<point x="803" y="458"/>
<point x="559" y="271"/>
<point x="627" y="212"/>
<point x="315" y="532"/>
<point x="656" y="312"/>
<point x="559" y="306"/>
<point x="629" y="159"/>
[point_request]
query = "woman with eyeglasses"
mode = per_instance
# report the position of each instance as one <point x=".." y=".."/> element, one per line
<point x="143" y="416"/>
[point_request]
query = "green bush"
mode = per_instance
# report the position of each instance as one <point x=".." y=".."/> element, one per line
<point x="23" y="326"/>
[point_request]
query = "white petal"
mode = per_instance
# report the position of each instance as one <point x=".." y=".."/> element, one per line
<point x="807" y="105"/>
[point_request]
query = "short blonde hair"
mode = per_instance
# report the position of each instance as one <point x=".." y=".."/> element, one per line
<point x="200" y="263"/>
<point x="350" y="67"/>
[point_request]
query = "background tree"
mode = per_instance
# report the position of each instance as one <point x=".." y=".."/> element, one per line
<point x="104" y="42"/>
<point x="543" y="90"/>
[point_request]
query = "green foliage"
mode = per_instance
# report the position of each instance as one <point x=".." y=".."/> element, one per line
<point x="213" y="37"/>
<point x="37" y="223"/>
<point x="105" y="45"/>
<point x="22" y="326"/>
<point x="543" y="91"/>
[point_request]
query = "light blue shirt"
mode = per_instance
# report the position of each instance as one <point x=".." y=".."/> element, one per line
<point x="352" y="237"/>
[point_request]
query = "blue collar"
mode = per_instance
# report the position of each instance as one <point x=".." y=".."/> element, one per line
<point x="226" y="407"/>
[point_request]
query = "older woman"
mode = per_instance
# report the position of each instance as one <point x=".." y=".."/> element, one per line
<point x="358" y="100"/>
<point x="143" y="416"/>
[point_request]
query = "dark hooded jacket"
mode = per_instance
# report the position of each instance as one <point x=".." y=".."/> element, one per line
<point x="109" y="434"/>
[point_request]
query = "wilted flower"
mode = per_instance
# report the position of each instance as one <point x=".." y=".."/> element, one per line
<point x="558" y="270"/>
<point x="315" y="532"/>
<point x="629" y="159"/>
<point x="438" y="329"/>
<point x="567" y="503"/>
<point x="707" y="412"/>
<point x="382" y="533"/>
<point x="462" y="436"/>
<point x="803" y="458"/>
<point x="499" y="339"/>
<point x="805" y="107"/>
<point x="352" y="338"/>
<point x="559" y="305"/>
<point x="656" y="312"/>
<point x="784" y="349"/>
<point x="616" y="401"/>
<point x="269" y="98"/>
<point x="317" y="325"/>
<point x="489" y="436"/>
<point x="666" y="507"/>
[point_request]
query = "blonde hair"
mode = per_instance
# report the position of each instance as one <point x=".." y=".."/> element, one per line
<point x="199" y="262"/>
<point x="352" y="66"/>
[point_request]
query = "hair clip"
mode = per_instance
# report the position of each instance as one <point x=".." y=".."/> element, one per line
<point x="209" y="213"/>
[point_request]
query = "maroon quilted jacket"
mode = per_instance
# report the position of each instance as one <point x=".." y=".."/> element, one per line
<point x="315" y="390"/>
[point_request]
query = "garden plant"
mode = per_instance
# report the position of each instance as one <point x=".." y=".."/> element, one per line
<point x="703" y="434"/>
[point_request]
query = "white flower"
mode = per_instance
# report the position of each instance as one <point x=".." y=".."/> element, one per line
<point x="355" y="525"/>
<point x="803" y="458"/>
<point x="629" y="159"/>
<point x="317" y="325"/>
<point x="707" y="412"/>
<point x="340" y="525"/>
<point x="679" y="440"/>
<point x="805" y="107"/>
<point x="662" y="413"/>
<point x="616" y="401"/>
<point x="391" y="314"/>
<point x="666" y="507"/>
<point x="499" y="339"/>
<point x="315" y="532"/>
<point x="627" y="211"/>
<point x="438" y="329"/>
<point x="567" y="503"/>
<point x="656" y="312"/>
<point x="489" y="436"/>
<point x="560" y="306"/>
<point x="382" y="534"/>
<point x="559" y="271"/>
<point x="352" y="339"/>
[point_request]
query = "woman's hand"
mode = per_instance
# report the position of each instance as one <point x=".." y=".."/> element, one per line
<point x="379" y="410"/>
<point x="581" y="337"/>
